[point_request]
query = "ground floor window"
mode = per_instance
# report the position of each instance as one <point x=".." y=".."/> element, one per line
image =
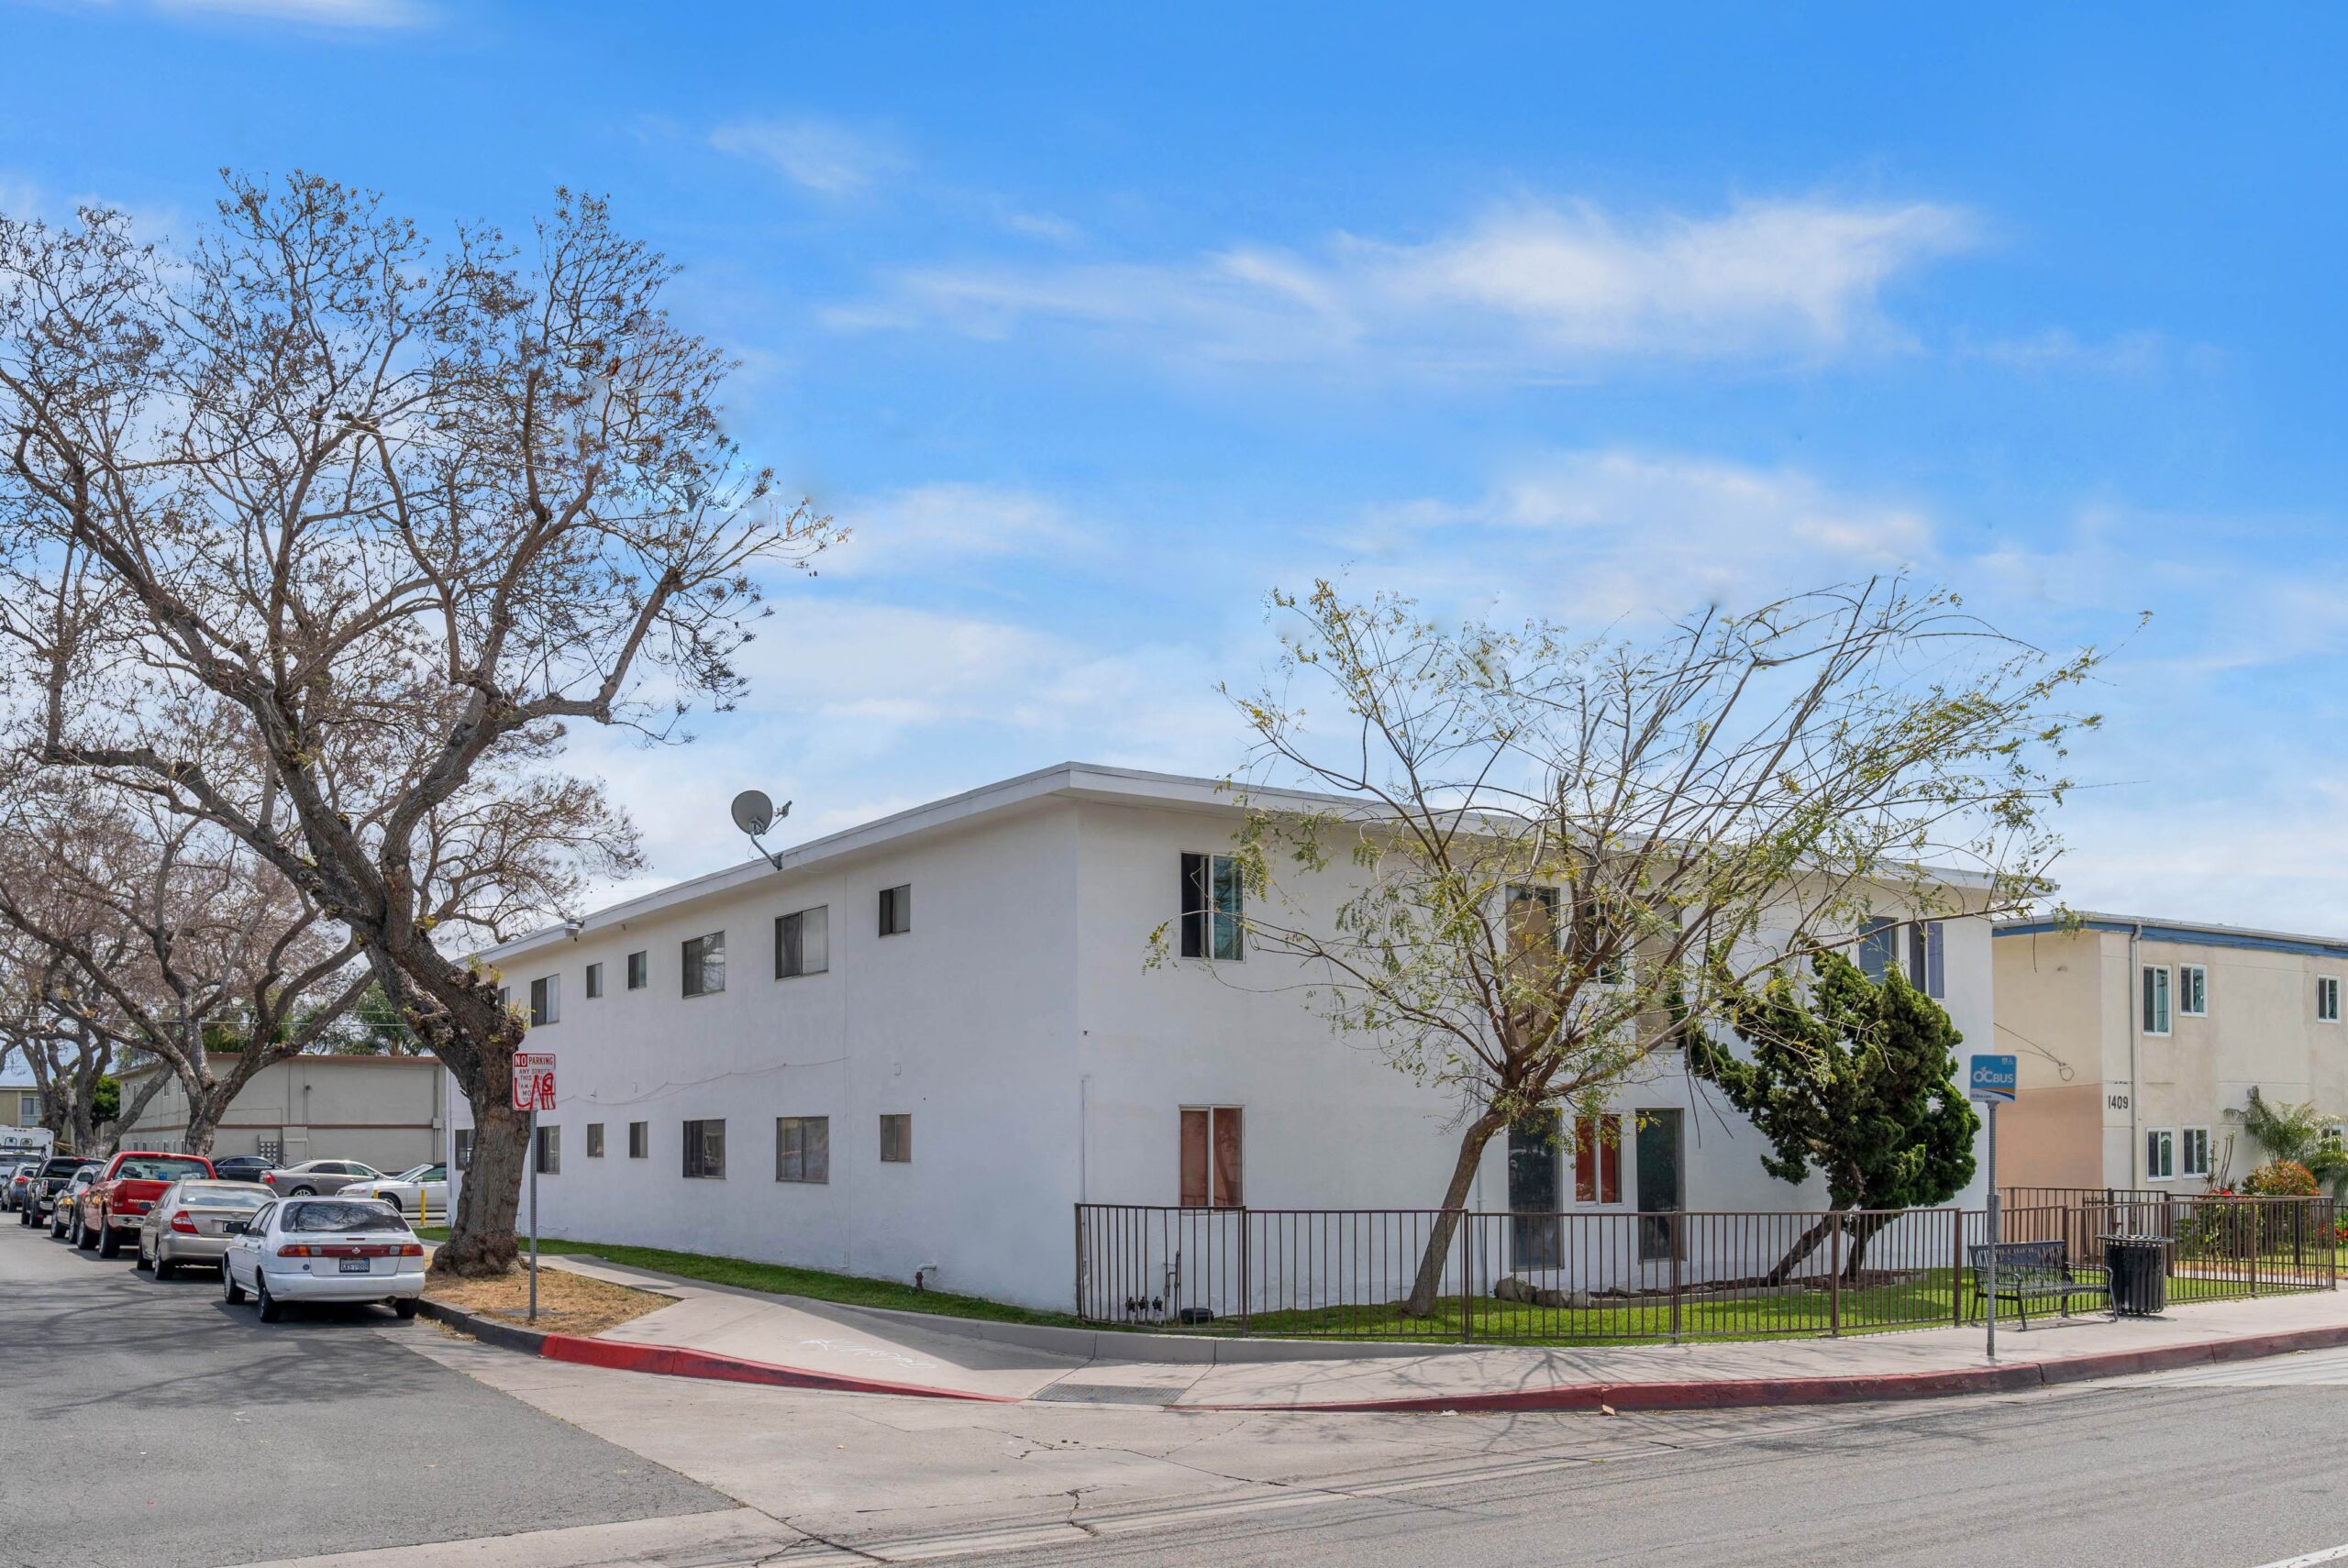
<point x="803" y="1148"/>
<point x="463" y="1139"/>
<point x="897" y="1139"/>
<point x="594" y="1140"/>
<point x="2194" y="1151"/>
<point x="705" y="1149"/>
<point x="1211" y="1157"/>
<point x="2160" y="1154"/>
<point x="639" y="1139"/>
<point x="550" y="1151"/>
<point x="1598" y="1159"/>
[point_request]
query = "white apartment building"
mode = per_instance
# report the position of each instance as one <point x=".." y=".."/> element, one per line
<point x="2139" y="1042"/>
<point x="918" y="1043"/>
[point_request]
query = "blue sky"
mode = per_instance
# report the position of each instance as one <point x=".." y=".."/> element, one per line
<point x="1095" y="326"/>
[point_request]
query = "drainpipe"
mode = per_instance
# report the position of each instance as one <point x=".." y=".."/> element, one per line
<point x="2135" y="1047"/>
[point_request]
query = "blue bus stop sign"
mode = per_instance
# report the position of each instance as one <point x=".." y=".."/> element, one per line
<point x="1992" y="1080"/>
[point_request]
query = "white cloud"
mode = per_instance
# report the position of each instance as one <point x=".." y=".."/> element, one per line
<point x="363" y="15"/>
<point x="932" y="526"/>
<point x="821" y="155"/>
<point x="2123" y="354"/>
<point x="1599" y="535"/>
<point x="1529" y="289"/>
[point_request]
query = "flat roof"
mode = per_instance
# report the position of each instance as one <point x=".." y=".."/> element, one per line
<point x="2196" y="933"/>
<point x="1067" y="780"/>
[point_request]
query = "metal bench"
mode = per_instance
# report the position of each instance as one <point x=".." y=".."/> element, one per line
<point x="2028" y="1272"/>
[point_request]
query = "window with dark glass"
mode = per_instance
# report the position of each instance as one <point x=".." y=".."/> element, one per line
<point x="594" y="1140"/>
<point x="640" y="971"/>
<point x="803" y="1148"/>
<point x="705" y="1149"/>
<point x="802" y="942"/>
<point x="546" y="1000"/>
<point x="594" y="981"/>
<point x="550" y="1151"/>
<point x="897" y="1139"/>
<point x="705" y="965"/>
<point x="639" y="1139"/>
<point x="1213" y="907"/>
<point x="463" y="1138"/>
<point x="897" y="909"/>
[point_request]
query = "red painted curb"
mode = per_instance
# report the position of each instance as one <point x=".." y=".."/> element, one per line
<point x="671" y="1360"/>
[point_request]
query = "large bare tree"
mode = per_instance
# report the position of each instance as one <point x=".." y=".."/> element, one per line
<point x="1552" y="852"/>
<point x="399" y="511"/>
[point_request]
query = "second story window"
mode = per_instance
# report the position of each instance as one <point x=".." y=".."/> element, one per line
<point x="640" y="971"/>
<point x="897" y="909"/>
<point x="2193" y="997"/>
<point x="546" y="1000"/>
<point x="1213" y="906"/>
<point x="1879" y="946"/>
<point x="802" y="942"/>
<point x="2327" y="999"/>
<point x="594" y="981"/>
<point x="705" y="965"/>
<point x="2156" y="998"/>
<point x="1927" y="957"/>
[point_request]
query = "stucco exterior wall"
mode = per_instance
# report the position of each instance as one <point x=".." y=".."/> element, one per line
<point x="1044" y="1061"/>
<point x="387" y="1111"/>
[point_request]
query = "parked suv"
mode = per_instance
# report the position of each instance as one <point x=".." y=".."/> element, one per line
<point x="41" y="1194"/>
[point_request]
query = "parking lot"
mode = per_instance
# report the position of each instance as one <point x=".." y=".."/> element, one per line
<point x="150" y="1425"/>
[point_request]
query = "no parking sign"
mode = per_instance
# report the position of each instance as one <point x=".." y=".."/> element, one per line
<point x="533" y="1080"/>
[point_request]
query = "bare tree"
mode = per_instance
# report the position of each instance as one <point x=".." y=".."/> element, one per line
<point x="401" y="511"/>
<point x="178" y="936"/>
<point x="47" y="1021"/>
<point x="1556" y="852"/>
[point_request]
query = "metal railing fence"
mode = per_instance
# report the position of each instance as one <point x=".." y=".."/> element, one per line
<point x="1614" y="1276"/>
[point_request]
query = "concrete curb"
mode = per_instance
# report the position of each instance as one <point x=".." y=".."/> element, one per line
<point x="672" y="1361"/>
<point x="2010" y="1377"/>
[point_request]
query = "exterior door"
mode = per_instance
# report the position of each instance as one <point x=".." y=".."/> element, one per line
<point x="1535" y="1240"/>
<point x="1659" y="1182"/>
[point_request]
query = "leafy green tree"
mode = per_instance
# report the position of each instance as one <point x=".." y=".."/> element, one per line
<point x="105" y="1100"/>
<point x="1854" y="1080"/>
<point x="2294" y="1133"/>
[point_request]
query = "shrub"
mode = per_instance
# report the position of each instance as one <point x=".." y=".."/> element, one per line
<point x="2281" y="1179"/>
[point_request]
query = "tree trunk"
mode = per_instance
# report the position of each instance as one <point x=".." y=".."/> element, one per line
<point x="132" y="1111"/>
<point x="1429" y="1283"/>
<point x="1804" y="1244"/>
<point x="1861" y="1231"/>
<point x="480" y="1233"/>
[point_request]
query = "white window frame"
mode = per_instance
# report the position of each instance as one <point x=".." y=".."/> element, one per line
<point x="2326" y="991"/>
<point x="2166" y="1137"/>
<point x="2189" y="1139"/>
<point x="2199" y="991"/>
<point x="816" y="919"/>
<point x="2156" y="985"/>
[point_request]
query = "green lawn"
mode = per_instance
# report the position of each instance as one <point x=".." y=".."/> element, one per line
<point x="1925" y="1299"/>
<point x="848" y="1289"/>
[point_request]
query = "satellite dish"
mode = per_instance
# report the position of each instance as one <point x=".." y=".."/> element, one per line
<point x="753" y="813"/>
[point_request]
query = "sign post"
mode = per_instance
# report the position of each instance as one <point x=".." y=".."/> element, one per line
<point x="1991" y="1084"/>
<point x="534" y="1092"/>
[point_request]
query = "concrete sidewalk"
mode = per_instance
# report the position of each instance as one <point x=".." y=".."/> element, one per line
<point x="748" y="1336"/>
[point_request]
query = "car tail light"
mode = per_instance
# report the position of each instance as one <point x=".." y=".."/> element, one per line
<point x="183" y="1223"/>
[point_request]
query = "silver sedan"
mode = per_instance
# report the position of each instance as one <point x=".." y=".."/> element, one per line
<point x="188" y="1224"/>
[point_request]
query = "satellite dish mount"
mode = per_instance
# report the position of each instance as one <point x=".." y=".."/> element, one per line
<point x="756" y="815"/>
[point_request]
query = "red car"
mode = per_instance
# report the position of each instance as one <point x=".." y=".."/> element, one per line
<point x="109" y="1212"/>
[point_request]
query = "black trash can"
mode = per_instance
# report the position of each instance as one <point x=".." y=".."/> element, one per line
<point x="2139" y="1280"/>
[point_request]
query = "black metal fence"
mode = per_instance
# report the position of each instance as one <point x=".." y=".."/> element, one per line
<point x="1600" y="1276"/>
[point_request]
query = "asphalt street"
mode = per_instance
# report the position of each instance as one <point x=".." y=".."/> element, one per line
<point x="153" y="1426"/>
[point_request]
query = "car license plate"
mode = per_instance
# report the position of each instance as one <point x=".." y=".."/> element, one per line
<point x="357" y="1265"/>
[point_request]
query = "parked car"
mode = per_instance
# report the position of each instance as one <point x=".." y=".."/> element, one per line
<point x="18" y="1185"/>
<point x="40" y="1195"/>
<point x="242" y="1167"/>
<point x="318" y="1178"/>
<point x="189" y="1223"/>
<point x="108" y="1213"/>
<point x="301" y="1249"/>
<point x="65" y="1205"/>
<point x="418" y="1192"/>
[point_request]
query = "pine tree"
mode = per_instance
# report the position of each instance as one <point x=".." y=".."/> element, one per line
<point x="1855" y="1080"/>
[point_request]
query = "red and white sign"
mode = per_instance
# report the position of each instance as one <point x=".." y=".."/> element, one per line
<point x="534" y="1080"/>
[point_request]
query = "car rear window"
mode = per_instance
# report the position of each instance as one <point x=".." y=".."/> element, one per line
<point x="221" y="1194"/>
<point x="313" y="1217"/>
<point x="62" y="1167"/>
<point x="159" y="1167"/>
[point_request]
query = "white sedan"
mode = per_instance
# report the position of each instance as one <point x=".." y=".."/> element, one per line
<point x="299" y="1250"/>
<point x="421" y="1192"/>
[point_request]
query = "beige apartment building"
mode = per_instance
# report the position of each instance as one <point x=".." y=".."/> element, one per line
<point x="387" y="1111"/>
<point x="2139" y="1042"/>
